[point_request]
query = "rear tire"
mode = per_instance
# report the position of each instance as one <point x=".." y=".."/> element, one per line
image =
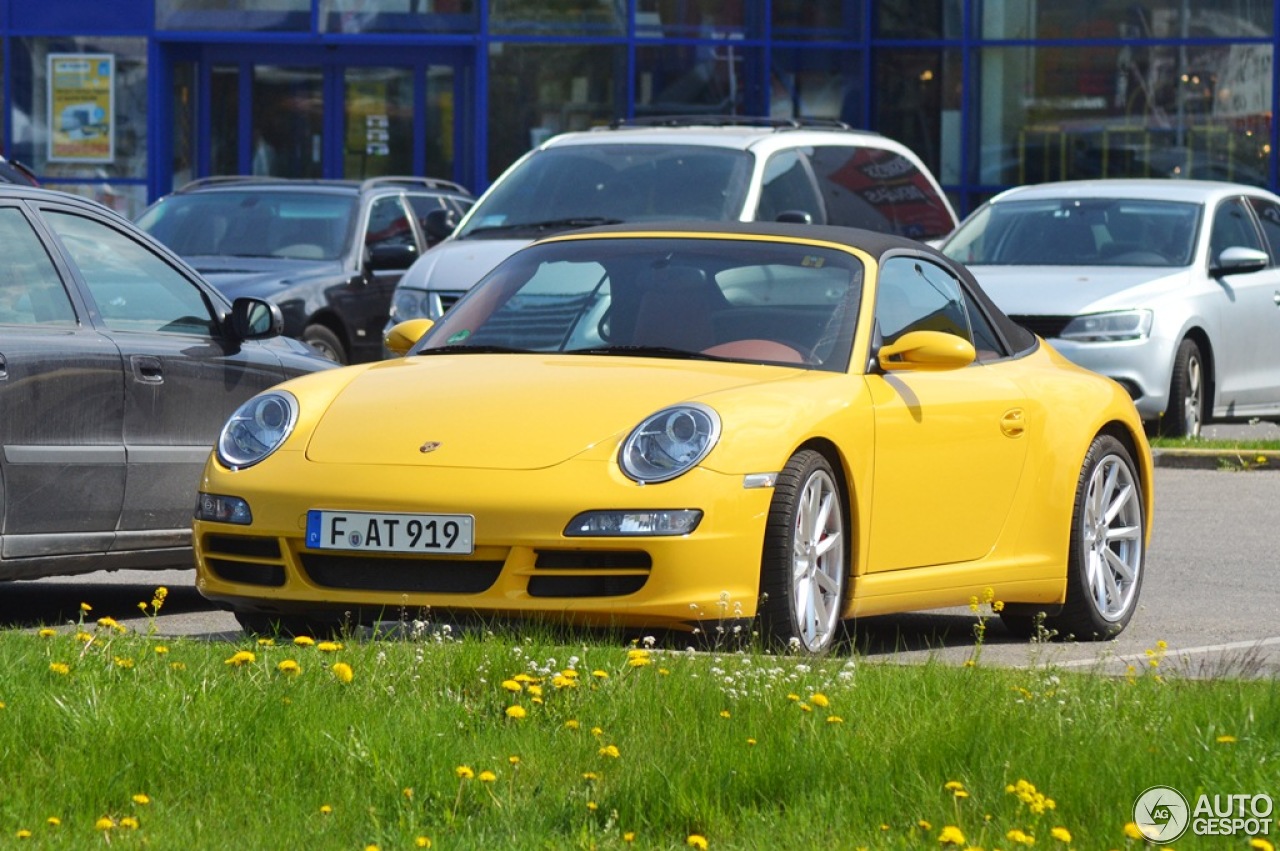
<point x="1185" y="413"/>
<point x="804" y="569"/>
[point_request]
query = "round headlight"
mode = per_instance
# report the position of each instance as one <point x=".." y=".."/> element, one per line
<point x="257" y="429"/>
<point x="669" y="443"/>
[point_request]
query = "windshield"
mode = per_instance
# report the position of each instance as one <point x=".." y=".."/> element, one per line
<point x="1078" y="232"/>
<point x="743" y="300"/>
<point x="574" y="186"/>
<point x="253" y="223"/>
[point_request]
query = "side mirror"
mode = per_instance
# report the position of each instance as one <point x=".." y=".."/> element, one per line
<point x="926" y="350"/>
<point x="438" y="224"/>
<point x="399" y="338"/>
<point x="1238" y="260"/>
<point x="255" y="319"/>
<point x="384" y="257"/>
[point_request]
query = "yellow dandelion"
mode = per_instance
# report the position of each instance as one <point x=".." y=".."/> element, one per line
<point x="266" y="642"/>
<point x="129" y="822"/>
<point x="290" y="667"/>
<point x="610" y="751"/>
<point x="325" y="809"/>
<point x="464" y="772"/>
<point x="639" y="661"/>
<point x="751" y="742"/>
<point x="513" y="759"/>
<point x="85" y="607"/>
<point x="591" y="805"/>
<point x="178" y="666"/>
<point x="960" y="793"/>
<point x="569" y="674"/>
<point x="1261" y="844"/>
<point x="407" y="792"/>
<point x="243" y="657"/>
<point x="24" y="834"/>
<point x="487" y="777"/>
<point x="328" y="647"/>
<point x="371" y="847"/>
<point x="83" y="637"/>
<point x="793" y="697"/>
<point x="600" y="675"/>
<point x="590" y="776"/>
<point x="60" y="668"/>
<point x="343" y="672"/>
<point x="804" y="707"/>
<point x="629" y="836"/>
<point x="663" y="672"/>
<point x="303" y="640"/>
<point x="47" y="633"/>
<point x="523" y="678"/>
<point x="422" y="842"/>
<point x="512" y="686"/>
<point x="724" y="713"/>
<point x="572" y="724"/>
<point x="535" y="691"/>
<point x="924" y="825"/>
<point x="53" y="821"/>
<point x="597" y="731"/>
<point x="104" y="823"/>
<point x="1061" y="834"/>
<point x="834" y="719"/>
<point x="516" y="711"/>
<point x="1226" y="740"/>
<point x="953" y="785"/>
<point x="950" y="835"/>
<point x="160" y="649"/>
<point x="638" y="654"/>
<point x="819" y="699"/>
<point x="696" y="841"/>
<point x="141" y="799"/>
<point x="1021" y="837"/>
<point x="1132" y="831"/>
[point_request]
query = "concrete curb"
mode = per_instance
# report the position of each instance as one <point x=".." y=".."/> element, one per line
<point x="1217" y="459"/>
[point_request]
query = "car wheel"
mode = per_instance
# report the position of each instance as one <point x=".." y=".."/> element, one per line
<point x="325" y="342"/>
<point x="1186" y="393"/>
<point x="803" y="569"/>
<point x="1108" y="536"/>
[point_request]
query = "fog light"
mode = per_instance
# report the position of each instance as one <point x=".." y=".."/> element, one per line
<point x="223" y="509"/>
<point x="680" y="521"/>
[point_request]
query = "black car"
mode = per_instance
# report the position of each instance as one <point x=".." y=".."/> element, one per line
<point x="118" y="367"/>
<point x="328" y="252"/>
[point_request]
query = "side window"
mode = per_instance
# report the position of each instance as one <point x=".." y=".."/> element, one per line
<point x="388" y="224"/>
<point x="1232" y="226"/>
<point x="916" y="295"/>
<point x="1269" y="214"/>
<point x="31" y="292"/>
<point x="788" y="187"/>
<point x="135" y="289"/>
<point x="879" y="190"/>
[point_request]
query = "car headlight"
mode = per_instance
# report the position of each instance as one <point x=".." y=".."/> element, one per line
<point x="1109" y="327"/>
<point x="409" y="304"/>
<point x="257" y="429"/>
<point x="669" y="443"/>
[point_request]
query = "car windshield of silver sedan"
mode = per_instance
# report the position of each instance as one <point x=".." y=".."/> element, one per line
<point x="563" y="188"/>
<point x="253" y="223"/>
<point x="1078" y="232"/>
<point x="737" y="300"/>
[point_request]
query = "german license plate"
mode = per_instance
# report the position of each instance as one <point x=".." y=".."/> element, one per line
<point x="383" y="532"/>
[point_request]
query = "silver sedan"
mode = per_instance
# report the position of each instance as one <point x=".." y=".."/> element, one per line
<point x="1171" y="287"/>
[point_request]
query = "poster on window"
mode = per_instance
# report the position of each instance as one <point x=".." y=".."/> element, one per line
<point x="81" y="107"/>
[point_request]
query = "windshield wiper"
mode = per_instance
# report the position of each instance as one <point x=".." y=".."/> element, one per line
<point x="547" y="224"/>
<point x="643" y="352"/>
<point x="463" y="348"/>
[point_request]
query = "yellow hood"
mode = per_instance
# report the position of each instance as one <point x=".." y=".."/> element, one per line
<point x="517" y="412"/>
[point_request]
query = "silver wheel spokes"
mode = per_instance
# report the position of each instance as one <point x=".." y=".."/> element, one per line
<point x="1112" y="537"/>
<point x="1192" y="402"/>
<point x="817" y="561"/>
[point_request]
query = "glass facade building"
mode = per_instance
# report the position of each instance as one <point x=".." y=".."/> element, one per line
<point x="124" y="101"/>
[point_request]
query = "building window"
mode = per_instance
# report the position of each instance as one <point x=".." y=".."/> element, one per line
<point x="260" y="15"/>
<point x="569" y="17"/>
<point x="397" y="16"/>
<point x="1126" y="19"/>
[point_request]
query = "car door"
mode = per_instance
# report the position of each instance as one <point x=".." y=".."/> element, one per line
<point x="182" y="377"/>
<point x="949" y="445"/>
<point x="1266" y="336"/>
<point x="62" y="457"/>
<point x="388" y="233"/>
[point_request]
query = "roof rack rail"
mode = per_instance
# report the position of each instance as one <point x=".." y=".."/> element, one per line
<point x="224" y="178"/>
<point x="411" y="180"/>
<point x="730" y="121"/>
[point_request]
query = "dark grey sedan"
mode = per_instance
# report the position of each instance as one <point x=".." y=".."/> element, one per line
<point x="118" y="366"/>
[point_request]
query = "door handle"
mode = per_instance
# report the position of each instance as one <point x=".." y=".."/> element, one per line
<point x="1013" y="423"/>
<point x="1276" y="298"/>
<point x="147" y="369"/>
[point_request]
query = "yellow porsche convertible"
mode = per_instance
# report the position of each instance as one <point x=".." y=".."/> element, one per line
<point x="682" y="425"/>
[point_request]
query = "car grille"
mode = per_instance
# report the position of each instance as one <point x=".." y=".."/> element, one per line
<point x="233" y="558"/>
<point x="589" y="573"/>
<point x="408" y="575"/>
<point x="448" y="299"/>
<point x="1044" y="326"/>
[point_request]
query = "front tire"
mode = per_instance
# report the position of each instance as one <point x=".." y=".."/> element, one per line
<point x="803" y="569"/>
<point x="325" y="342"/>
<point x="1185" y="413"/>
<point x="1108" y="537"/>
